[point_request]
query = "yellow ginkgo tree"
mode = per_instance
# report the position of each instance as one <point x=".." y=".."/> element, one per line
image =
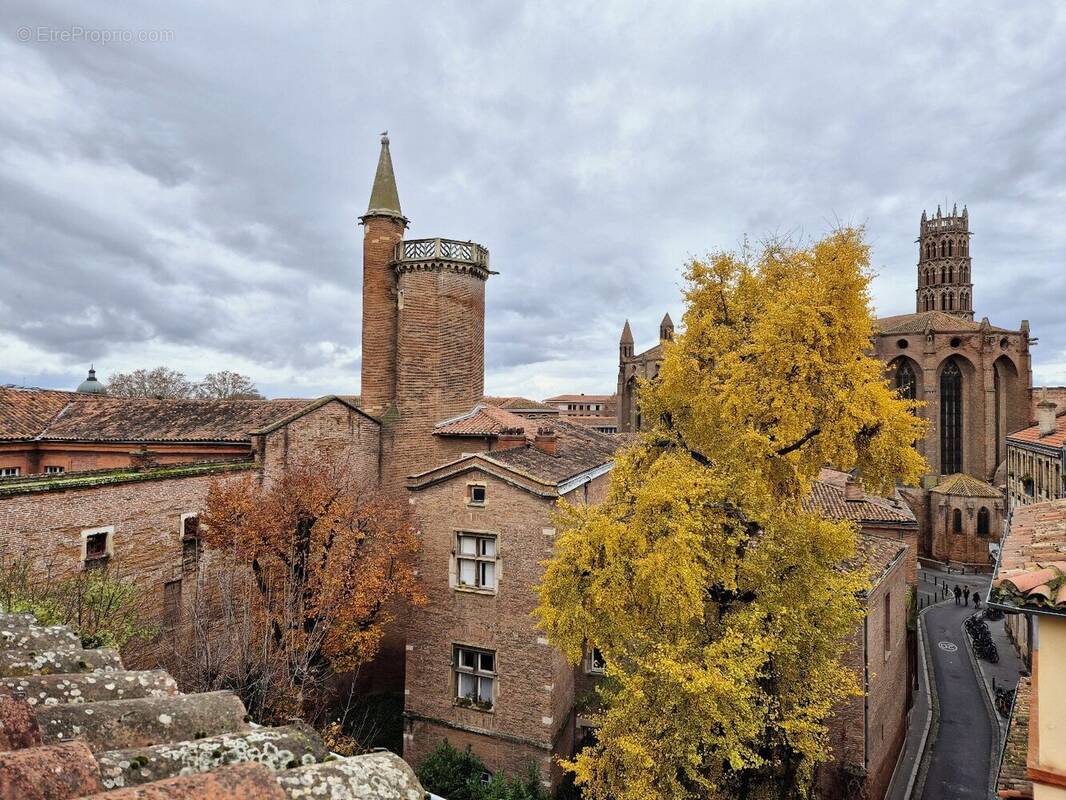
<point x="720" y="604"/>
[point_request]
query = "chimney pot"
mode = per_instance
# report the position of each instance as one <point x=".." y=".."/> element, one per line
<point x="545" y="440"/>
<point x="853" y="491"/>
<point x="509" y="438"/>
<point x="1045" y="415"/>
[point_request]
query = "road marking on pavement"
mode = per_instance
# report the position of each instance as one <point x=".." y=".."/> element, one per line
<point x="949" y="647"/>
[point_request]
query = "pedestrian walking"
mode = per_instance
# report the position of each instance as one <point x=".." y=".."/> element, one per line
<point x="976" y="599"/>
<point x="958" y="594"/>
<point x="966" y="595"/>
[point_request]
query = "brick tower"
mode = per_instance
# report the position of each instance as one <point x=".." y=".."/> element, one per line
<point x="423" y="329"/>
<point x="944" y="264"/>
<point x="383" y="227"/>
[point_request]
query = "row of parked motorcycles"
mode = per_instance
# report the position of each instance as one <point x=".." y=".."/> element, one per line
<point x="983" y="646"/>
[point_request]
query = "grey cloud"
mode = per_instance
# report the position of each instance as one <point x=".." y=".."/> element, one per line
<point x="592" y="150"/>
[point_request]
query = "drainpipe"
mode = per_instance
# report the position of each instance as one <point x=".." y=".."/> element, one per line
<point x="866" y="691"/>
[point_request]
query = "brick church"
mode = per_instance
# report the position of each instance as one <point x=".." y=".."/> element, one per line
<point x="975" y="379"/>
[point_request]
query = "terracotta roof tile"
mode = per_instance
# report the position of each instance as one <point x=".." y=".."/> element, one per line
<point x="1032" y="435"/>
<point x="519" y="404"/>
<point x="939" y="321"/>
<point x="964" y="485"/>
<point x="829" y="499"/>
<point x="68" y="416"/>
<point x="877" y="554"/>
<point x="582" y="398"/>
<point x="1012" y="780"/>
<point x="578" y="449"/>
<point x="1031" y="573"/>
<point x="482" y="420"/>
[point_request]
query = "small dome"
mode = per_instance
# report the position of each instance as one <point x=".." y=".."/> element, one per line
<point x="92" y="386"/>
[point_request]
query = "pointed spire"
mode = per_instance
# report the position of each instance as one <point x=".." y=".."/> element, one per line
<point x="938" y="210"/>
<point x="384" y="198"/>
<point x="964" y="212"/>
<point x="667" y="322"/>
<point x="923" y="215"/>
<point x="627" y="334"/>
<point x="954" y="209"/>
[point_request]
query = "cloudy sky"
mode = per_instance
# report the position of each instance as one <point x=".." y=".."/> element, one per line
<point x="189" y="196"/>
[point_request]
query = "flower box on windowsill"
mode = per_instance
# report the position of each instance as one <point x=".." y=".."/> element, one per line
<point x="473" y="705"/>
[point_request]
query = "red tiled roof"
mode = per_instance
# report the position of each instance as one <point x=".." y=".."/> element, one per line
<point x="829" y="499"/>
<point x="1032" y="435"/>
<point x="939" y="321"/>
<point x="483" y="420"/>
<point x="578" y="449"/>
<point x="41" y="414"/>
<point x="518" y="404"/>
<point x="1031" y="572"/>
<point x="582" y="398"/>
<point x="964" y="485"/>
<point x="877" y="554"/>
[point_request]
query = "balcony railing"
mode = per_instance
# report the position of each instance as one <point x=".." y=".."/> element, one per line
<point x="443" y="250"/>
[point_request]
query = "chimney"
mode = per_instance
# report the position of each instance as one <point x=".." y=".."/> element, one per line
<point x="1045" y="415"/>
<point x="509" y="438"/>
<point x="545" y="440"/>
<point x="143" y="459"/>
<point x="853" y="491"/>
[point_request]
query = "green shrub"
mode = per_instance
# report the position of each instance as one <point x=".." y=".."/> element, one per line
<point x="456" y="775"/>
<point x="104" y="608"/>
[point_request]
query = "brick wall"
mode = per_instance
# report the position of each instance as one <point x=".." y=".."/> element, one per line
<point x="146" y="514"/>
<point x="380" y="237"/>
<point x="996" y="382"/>
<point x="966" y="548"/>
<point x="440" y="366"/>
<point x="32" y="458"/>
<point x="532" y="716"/>
<point x="886" y="715"/>
<point x="146" y="542"/>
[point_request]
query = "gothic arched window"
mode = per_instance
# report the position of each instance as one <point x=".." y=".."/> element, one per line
<point x="956" y="521"/>
<point x="906" y="382"/>
<point x="951" y="302"/>
<point x="983" y="525"/>
<point x="951" y="419"/>
<point x="943" y="249"/>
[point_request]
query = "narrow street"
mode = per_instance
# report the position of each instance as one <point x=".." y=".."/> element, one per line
<point x="966" y="739"/>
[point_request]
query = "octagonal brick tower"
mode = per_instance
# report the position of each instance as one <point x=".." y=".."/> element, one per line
<point x="944" y="264"/>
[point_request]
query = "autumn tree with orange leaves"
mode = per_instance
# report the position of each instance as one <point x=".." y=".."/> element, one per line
<point x="329" y="560"/>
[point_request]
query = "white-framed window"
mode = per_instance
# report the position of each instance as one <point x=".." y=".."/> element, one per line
<point x="476" y="494"/>
<point x="475" y="561"/>
<point x="596" y="664"/>
<point x="10" y="472"/>
<point x="189" y="530"/>
<point x="97" y="546"/>
<point x="475" y="677"/>
<point x="53" y="469"/>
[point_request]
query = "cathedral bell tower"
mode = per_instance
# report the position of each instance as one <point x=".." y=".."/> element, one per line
<point x="944" y="264"/>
